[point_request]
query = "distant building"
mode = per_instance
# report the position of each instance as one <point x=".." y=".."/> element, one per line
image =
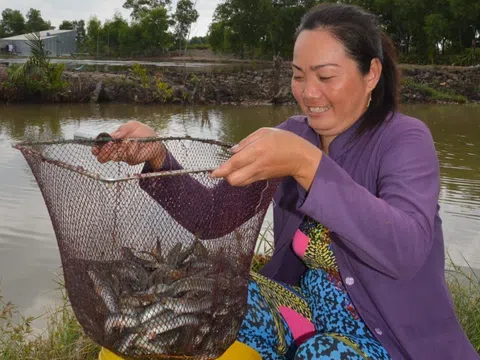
<point x="56" y="42"/>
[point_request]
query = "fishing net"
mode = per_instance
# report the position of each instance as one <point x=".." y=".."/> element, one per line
<point x="156" y="263"/>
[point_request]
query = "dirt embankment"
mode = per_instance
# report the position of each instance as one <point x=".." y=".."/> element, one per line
<point x="420" y="84"/>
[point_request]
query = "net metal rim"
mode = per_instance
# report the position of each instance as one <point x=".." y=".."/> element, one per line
<point x="27" y="146"/>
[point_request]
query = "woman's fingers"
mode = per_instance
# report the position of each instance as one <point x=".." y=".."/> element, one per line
<point x="257" y="135"/>
<point x="237" y="161"/>
<point x="244" y="176"/>
<point x="126" y="130"/>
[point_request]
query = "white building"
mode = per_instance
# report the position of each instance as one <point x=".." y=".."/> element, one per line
<point x="56" y="42"/>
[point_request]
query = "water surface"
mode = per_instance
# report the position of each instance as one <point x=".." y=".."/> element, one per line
<point x="28" y="250"/>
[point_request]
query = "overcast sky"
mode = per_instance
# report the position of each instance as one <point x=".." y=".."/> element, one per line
<point x="58" y="10"/>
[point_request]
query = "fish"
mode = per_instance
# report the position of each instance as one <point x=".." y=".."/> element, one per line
<point x="173" y="254"/>
<point x="166" y="321"/>
<point x="163" y="303"/>
<point x="152" y="311"/>
<point x="192" y="284"/>
<point x="104" y="291"/>
<point x="121" y="322"/>
<point x="126" y="343"/>
<point x="132" y="274"/>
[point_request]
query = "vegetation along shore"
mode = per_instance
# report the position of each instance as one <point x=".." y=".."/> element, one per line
<point x="264" y="83"/>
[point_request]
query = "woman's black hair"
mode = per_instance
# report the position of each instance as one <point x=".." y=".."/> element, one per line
<point x="364" y="40"/>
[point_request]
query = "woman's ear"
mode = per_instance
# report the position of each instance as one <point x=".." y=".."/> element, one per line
<point x="374" y="74"/>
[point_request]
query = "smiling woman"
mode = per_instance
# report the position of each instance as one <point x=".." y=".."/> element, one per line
<point x="358" y="265"/>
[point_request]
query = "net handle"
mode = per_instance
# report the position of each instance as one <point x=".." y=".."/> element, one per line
<point x="25" y="147"/>
<point x="147" y="139"/>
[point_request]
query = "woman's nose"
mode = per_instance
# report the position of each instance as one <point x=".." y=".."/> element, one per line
<point x="311" y="90"/>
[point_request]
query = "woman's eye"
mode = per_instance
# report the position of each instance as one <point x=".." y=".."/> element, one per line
<point x="324" y="78"/>
<point x="297" y="77"/>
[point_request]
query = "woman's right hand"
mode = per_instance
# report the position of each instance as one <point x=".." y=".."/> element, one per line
<point x="132" y="152"/>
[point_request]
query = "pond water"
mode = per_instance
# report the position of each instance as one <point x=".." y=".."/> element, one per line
<point x="28" y="251"/>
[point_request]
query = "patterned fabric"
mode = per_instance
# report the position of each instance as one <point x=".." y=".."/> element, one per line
<point x="321" y="307"/>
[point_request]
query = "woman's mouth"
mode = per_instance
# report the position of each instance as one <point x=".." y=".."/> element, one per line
<point x="318" y="109"/>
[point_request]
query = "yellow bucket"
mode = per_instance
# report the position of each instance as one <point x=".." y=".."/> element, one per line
<point x="237" y="351"/>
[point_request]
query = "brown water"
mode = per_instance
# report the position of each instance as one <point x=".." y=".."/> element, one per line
<point x="28" y="251"/>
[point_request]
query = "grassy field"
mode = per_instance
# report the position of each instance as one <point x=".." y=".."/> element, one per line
<point x="64" y="339"/>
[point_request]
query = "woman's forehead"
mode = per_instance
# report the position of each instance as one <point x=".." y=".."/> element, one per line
<point x="316" y="48"/>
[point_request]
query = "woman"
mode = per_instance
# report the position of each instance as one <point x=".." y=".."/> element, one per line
<point x="358" y="266"/>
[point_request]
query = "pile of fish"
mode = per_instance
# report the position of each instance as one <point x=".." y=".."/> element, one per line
<point x="174" y="304"/>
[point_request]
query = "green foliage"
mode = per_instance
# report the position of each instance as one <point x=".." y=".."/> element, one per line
<point x="37" y="76"/>
<point x="35" y="22"/>
<point x="185" y="15"/>
<point x="465" y="289"/>
<point x="433" y="93"/>
<point x="66" y="25"/>
<point x="141" y="72"/>
<point x="141" y="7"/>
<point x="164" y="91"/>
<point x="63" y="337"/>
<point x="427" y="31"/>
<point x="12" y="23"/>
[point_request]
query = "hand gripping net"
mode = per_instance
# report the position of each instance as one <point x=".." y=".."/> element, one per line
<point x="156" y="264"/>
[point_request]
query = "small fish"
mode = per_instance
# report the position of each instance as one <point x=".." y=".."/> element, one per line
<point x="128" y="254"/>
<point x="167" y="321"/>
<point x="173" y="254"/>
<point x="154" y="289"/>
<point x="166" y="276"/>
<point x="183" y="255"/>
<point x="157" y="252"/>
<point x="148" y="347"/>
<point x="152" y="311"/>
<point x="104" y="291"/>
<point x="200" y="249"/>
<point x="126" y="343"/>
<point x="192" y="284"/>
<point x="187" y="306"/>
<point x="121" y="322"/>
<point x="131" y="274"/>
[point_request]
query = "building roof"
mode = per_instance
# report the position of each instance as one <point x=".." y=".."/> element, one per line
<point x="43" y="35"/>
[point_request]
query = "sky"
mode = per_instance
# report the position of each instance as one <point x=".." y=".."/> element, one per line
<point x="58" y="10"/>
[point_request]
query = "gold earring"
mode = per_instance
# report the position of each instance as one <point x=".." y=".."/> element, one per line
<point x="369" y="100"/>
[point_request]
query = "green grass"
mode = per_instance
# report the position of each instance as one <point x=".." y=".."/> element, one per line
<point x="434" y="93"/>
<point x="465" y="289"/>
<point x="63" y="337"/>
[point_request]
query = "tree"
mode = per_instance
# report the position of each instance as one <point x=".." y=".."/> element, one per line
<point x="436" y="27"/>
<point x="141" y="7"/>
<point x="66" y="25"/>
<point x="154" y="27"/>
<point x="35" y="21"/>
<point x="92" y="41"/>
<point x="185" y="15"/>
<point x="80" y="33"/>
<point x="13" y="23"/>
<point x="112" y="31"/>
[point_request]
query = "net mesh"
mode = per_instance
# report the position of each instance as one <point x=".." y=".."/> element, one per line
<point x="156" y="263"/>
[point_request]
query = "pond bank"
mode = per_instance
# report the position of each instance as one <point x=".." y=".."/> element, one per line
<point x="420" y="84"/>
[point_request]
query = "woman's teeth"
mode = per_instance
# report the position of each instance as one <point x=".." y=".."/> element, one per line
<point x="319" y="109"/>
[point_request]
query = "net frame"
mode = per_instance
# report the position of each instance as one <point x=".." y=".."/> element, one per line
<point x="27" y="148"/>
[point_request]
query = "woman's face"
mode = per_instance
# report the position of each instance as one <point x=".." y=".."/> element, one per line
<point x="327" y="84"/>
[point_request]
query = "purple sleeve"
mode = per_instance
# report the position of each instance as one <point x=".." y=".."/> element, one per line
<point x="393" y="231"/>
<point x="208" y="212"/>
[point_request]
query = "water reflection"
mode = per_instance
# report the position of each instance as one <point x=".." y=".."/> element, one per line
<point x="28" y="250"/>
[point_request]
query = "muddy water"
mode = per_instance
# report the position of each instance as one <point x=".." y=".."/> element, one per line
<point x="28" y="251"/>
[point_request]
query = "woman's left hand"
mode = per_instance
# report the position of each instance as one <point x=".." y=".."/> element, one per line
<point x="270" y="153"/>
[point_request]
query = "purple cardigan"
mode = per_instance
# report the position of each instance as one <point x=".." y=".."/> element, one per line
<point x="378" y="194"/>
